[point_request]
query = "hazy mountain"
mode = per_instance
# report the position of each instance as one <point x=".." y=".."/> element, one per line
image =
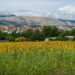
<point x="6" y="15"/>
<point x="33" y="21"/>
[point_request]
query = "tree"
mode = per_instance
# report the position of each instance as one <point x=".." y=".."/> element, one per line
<point x="50" y="31"/>
<point x="73" y="32"/>
<point x="47" y="31"/>
<point x="37" y="36"/>
<point x="55" y="31"/>
<point x="15" y="34"/>
<point x="66" y="33"/>
<point x="27" y="34"/>
<point x="2" y="35"/>
<point x="10" y="38"/>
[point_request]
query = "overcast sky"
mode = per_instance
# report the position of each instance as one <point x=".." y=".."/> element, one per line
<point x="56" y="8"/>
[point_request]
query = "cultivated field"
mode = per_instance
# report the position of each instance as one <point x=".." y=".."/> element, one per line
<point x="37" y="58"/>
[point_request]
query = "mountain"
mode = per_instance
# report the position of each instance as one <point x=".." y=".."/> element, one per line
<point x="6" y="15"/>
<point x="33" y="21"/>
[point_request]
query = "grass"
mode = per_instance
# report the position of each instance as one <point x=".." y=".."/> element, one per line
<point x="53" y="62"/>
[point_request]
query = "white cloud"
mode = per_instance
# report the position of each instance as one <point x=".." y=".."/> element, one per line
<point x="39" y="8"/>
<point x="67" y="9"/>
<point x="66" y="12"/>
<point x="33" y="7"/>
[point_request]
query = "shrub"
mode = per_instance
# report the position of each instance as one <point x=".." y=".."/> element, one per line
<point x="20" y="39"/>
<point x="10" y="38"/>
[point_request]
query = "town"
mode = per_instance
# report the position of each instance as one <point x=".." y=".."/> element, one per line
<point x="11" y="28"/>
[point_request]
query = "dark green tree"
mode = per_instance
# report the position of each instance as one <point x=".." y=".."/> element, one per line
<point x="73" y="32"/>
<point x="37" y="36"/>
<point x="10" y="38"/>
<point x="3" y="35"/>
<point x="55" y="32"/>
<point x="51" y="31"/>
<point x="27" y="34"/>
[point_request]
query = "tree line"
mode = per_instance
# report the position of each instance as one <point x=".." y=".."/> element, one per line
<point x="31" y="35"/>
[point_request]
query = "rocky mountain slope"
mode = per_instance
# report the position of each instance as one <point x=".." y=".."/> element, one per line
<point x="34" y="21"/>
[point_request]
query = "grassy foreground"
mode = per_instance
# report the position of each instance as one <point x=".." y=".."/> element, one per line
<point x="37" y="58"/>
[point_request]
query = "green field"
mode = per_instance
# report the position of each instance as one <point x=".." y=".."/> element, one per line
<point x="52" y="62"/>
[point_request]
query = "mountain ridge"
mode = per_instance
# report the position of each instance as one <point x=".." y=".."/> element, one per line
<point x="30" y="21"/>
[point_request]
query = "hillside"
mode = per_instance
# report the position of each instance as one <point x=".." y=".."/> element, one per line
<point x="33" y="21"/>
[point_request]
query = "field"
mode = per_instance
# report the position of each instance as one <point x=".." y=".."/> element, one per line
<point x="37" y="58"/>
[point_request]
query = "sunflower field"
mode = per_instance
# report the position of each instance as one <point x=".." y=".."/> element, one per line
<point x="37" y="58"/>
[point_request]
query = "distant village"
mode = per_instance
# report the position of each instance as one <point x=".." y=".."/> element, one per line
<point x="11" y="28"/>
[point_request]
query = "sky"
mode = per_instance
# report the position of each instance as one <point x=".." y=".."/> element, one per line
<point x="64" y="9"/>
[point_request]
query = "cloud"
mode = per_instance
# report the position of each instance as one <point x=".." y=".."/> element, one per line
<point x="31" y="13"/>
<point x="35" y="7"/>
<point x="66" y="12"/>
<point x="23" y="12"/>
<point x="39" y="8"/>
